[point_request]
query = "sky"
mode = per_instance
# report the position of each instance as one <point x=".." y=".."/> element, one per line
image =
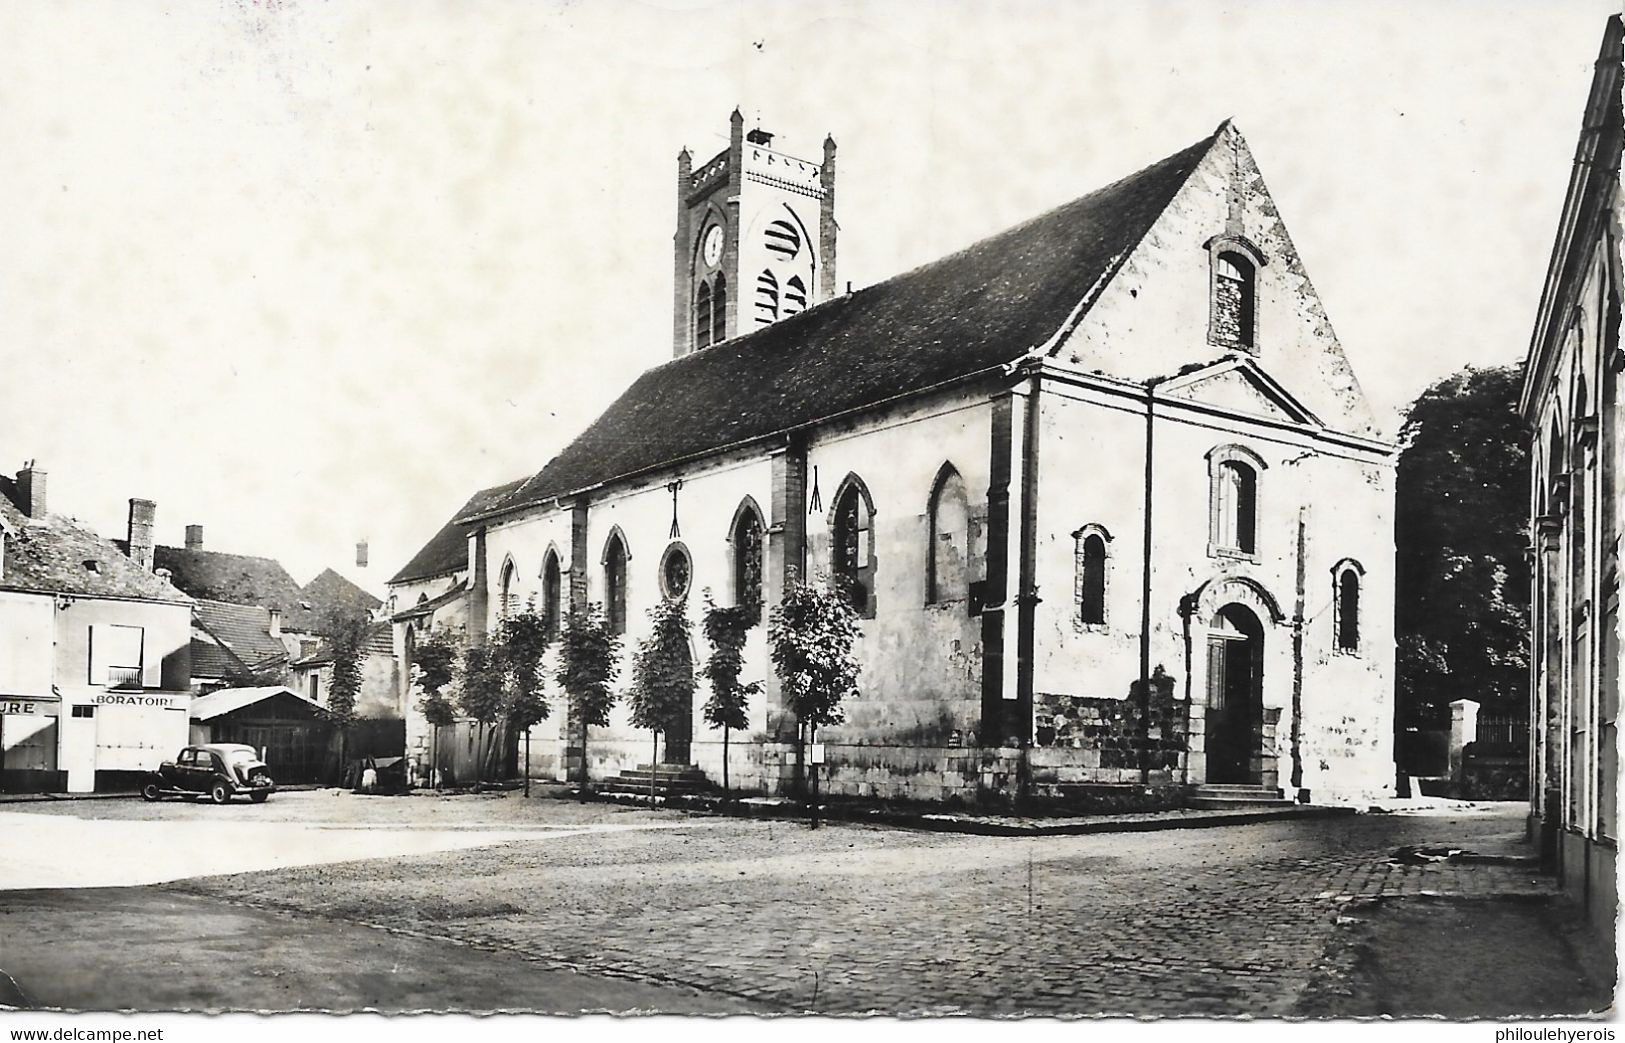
<point x="308" y="273"/>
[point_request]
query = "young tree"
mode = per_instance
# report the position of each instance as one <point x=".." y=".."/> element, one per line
<point x="346" y="638"/>
<point x="663" y="676"/>
<point x="521" y="645"/>
<point x="434" y="662"/>
<point x="588" y="655"/>
<point x="725" y="630"/>
<point x="1460" y="530"/>
<point x="482" y="693"/>
<point x="812" y="633"/>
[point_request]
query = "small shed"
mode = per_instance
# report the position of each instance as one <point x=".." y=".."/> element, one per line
<point x="292" y="733"/>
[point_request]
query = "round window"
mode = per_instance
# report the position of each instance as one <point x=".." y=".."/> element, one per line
<point x="675" y="571"/>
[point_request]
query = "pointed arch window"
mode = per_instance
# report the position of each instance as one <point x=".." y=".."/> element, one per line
<point x="767" y="298"/>
<point x="702" y="317"/>
<point x="552" y="592"/>
<point x="948" y="523"/>
<point x="795" y="296"/>
<point x="508" y="599"/>
<point x="719" y="310"/>
<point x="746" y="537"/>
<point x="1233" y="473"/>
<point x="1091" y="559"/>
<point x="854" y="545"/>
<point x="1346" y="578"/>
<point x="615" y="560"/>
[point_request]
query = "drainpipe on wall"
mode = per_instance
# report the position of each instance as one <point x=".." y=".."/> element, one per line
<point x="1145" y="591"/>
<point x="1297" y="669"/>
<point x="1027" y="583"/>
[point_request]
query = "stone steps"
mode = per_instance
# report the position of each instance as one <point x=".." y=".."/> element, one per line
<point x="1235" y="795"/>
<point x="666" y="779"/>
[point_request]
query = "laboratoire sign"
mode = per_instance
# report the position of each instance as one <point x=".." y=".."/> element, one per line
<point x="50" y="705"/>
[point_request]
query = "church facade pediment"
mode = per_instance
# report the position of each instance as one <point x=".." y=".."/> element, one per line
<point x="1240" y="386"/>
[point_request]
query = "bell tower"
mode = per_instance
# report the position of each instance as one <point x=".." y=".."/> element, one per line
<point x="755" y="238"/>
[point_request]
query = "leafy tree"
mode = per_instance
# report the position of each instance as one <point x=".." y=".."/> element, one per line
<point x="588" y="656"/>
<point x="434" y="662"/>
<point x="521" y="646"/>
<point x="812" y="633"/>
<point x="1461" y="527"/>
<point x="482" y="693"/>
<point x="663" y="676"/>
<point x="346" y="639"/>
<point x="725" y="629"/>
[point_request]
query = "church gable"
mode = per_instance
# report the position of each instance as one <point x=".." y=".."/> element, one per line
<point x="1239" y="386"/>
<point x="1217" y="275"/>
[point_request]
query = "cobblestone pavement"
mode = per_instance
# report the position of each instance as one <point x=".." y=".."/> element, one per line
<point x="1222" y="921"/>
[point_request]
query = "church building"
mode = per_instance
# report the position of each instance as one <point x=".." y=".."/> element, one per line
<point x="1104" y="489"/>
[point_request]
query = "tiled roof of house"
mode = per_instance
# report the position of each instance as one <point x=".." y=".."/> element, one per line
<point x="331" y="593"/>
<point x="240" y="579"/>
<point x="980" y="308"/>
<point x="235" y="640"/>
<point x="56" y="555"/>
<point x="380" y="641"/>
<point x="429" y="605"/>
<point x="447" y="550"/>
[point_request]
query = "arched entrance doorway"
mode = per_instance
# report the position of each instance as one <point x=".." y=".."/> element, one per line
<point x="1235" y="695"/>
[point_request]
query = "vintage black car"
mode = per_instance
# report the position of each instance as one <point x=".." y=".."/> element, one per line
<point x="219" y="771"/>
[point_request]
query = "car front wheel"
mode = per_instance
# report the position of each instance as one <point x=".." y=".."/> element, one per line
<point x="150" y="791"/>
<point x="220" y="793"/>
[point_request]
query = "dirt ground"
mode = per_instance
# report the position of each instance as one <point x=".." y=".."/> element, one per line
<point x="1418" y="957"/>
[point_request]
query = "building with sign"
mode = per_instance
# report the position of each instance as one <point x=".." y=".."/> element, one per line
<point x="94" y="649"/>
<point x="1102" y="488"/>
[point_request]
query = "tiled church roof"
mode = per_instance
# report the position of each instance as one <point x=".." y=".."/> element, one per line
<point x="984" y="306"/>
<point x="447" y="550"/>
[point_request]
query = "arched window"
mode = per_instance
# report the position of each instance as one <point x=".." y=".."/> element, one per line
<point x="783" y="238"/>
<point x="854" y="549"/>
<point x="508" y="599"/>
<point x="948" y="516"/>
<point x="767" y="298"/>
<point x="676" y="572"/>
<point x="552" y="591"/>
<point x="1090" y="563"/>
<point x="1233" y="291"/>
<point x="795" y="296"/>
<point x="615" y="559"/>
<point x="746" y="537"/>
<point x="719" y="310"/>
<point x="702" y="317"/>
<point x="1346" y="605"/>
<point x="1233" y="475"/>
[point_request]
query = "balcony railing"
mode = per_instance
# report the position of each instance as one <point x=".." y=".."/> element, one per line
<point x="124" y="677"/>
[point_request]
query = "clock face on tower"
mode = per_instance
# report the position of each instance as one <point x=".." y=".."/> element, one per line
<point x="711" y="247"/>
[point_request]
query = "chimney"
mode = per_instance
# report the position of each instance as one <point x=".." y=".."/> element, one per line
<point x="760" y="137"/>
<point x="194" y="537"/>
<point x="139" y="532"/>
<point x="31" y="487"/>
<point x="276" y="622"/>
<point x="361" y="555"/>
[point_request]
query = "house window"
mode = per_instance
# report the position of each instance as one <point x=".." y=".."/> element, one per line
<point x="116" y="655"/>
<point x="854" y="550"/>
<point x="948" y="516"/>
<point x="1090" y="563"/>
<point x="1233" y="512"/>
<point x="676" y="571"/>
<point x="615" y="559"/>
<point x="1346" y="605"/>
<point x="747" y="557"/>
<point x="314" y="683"/>
<point x="551" y="590"/>
<point x="702" y="317"/>
<point x="84" y="711"/>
